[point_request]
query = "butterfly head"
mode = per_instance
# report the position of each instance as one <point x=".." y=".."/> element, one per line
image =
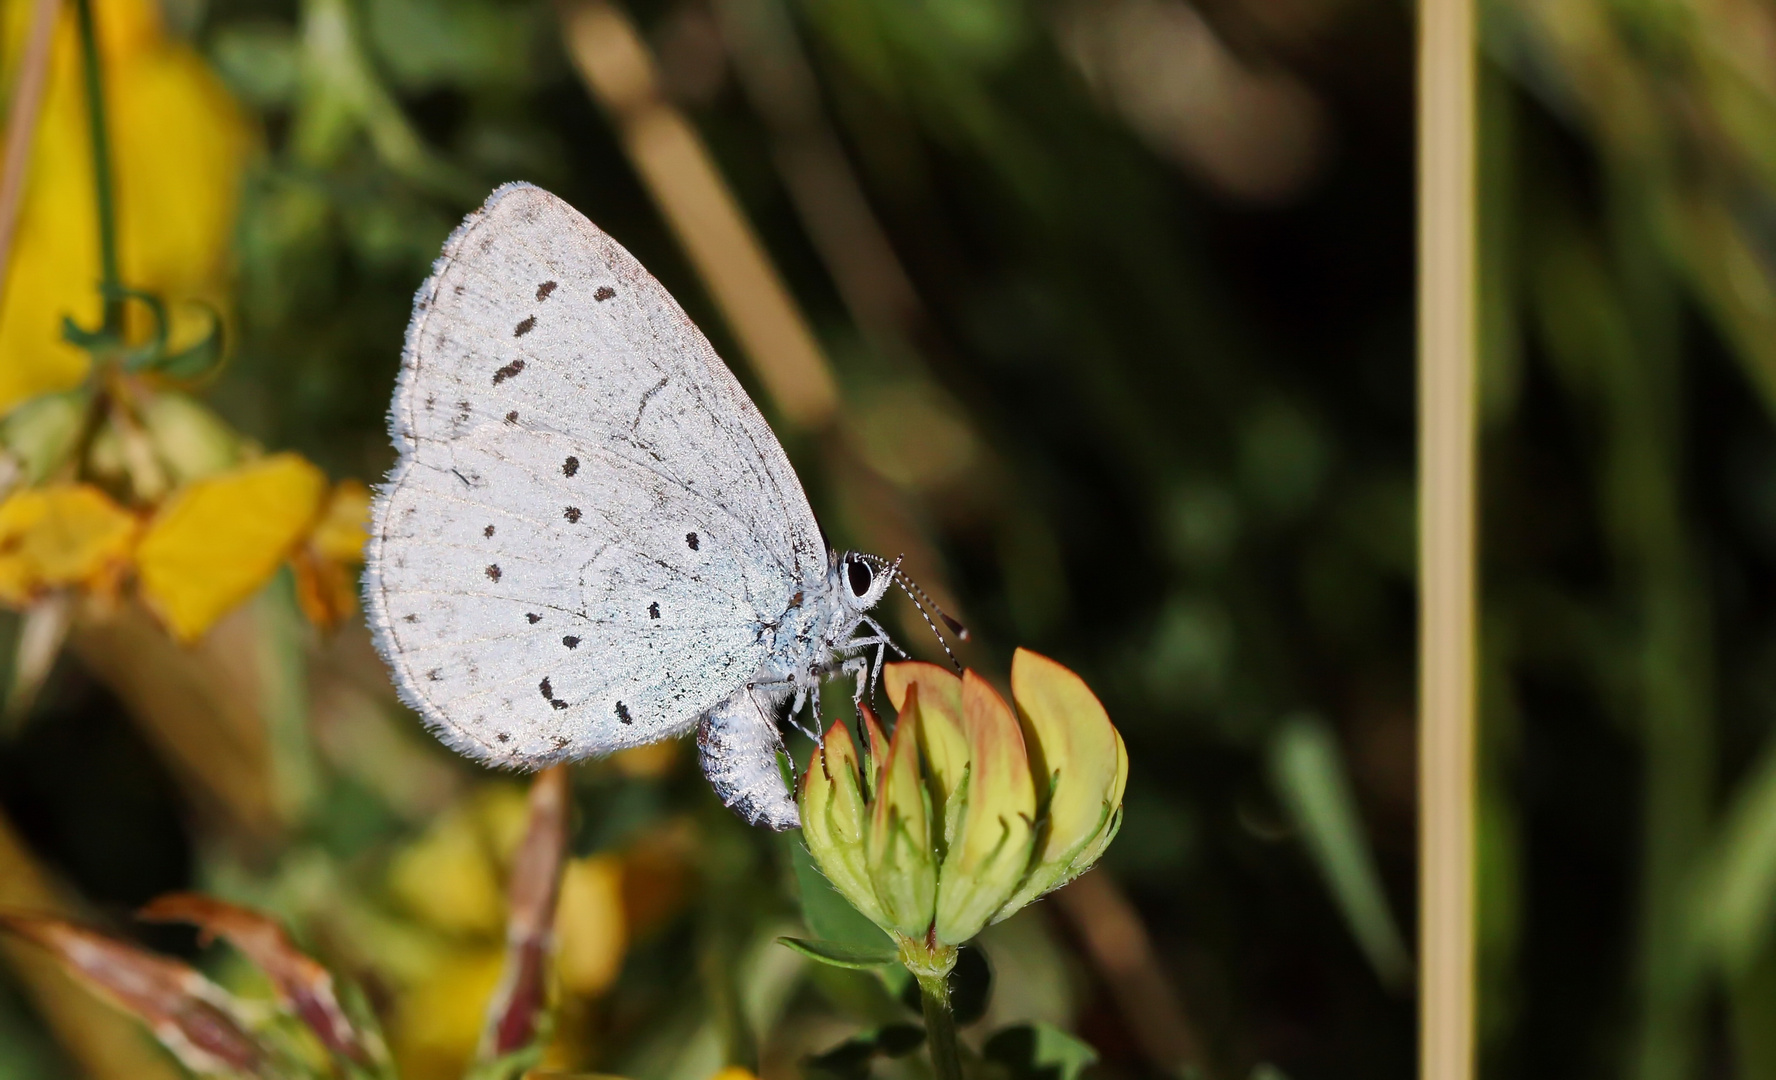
<point x="863" y="579"/>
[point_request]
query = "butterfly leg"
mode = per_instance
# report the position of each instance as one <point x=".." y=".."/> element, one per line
<point x="814" y="697"/>
<point x="879" y="641"/>
<point x="883" y="643"/>
<point x="859" y="668"/>
<point x="881" y="636"/>
<point x="773" y="693"/>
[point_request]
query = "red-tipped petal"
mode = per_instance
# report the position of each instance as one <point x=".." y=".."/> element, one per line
<point x="939" y="686"/>
<point x="878" y="751"/>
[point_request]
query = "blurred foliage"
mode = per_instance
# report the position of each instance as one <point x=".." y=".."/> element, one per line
<point x="1142" y="401"/>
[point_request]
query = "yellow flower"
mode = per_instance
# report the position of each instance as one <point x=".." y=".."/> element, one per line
<point x="1006" y="807"/>
<point x="179" y="144"/>
<point x="326" y="566"/>
<point x="213" y="543"/>
<point x="55" y="537"/>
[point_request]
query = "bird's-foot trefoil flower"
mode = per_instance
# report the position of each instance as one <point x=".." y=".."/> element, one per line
<point x="970" y="810"/>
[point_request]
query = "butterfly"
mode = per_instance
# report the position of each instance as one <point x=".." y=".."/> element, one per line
<point x="591" y="539"/>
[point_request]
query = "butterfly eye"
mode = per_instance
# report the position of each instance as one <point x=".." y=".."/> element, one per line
<point x="858" y="573"/>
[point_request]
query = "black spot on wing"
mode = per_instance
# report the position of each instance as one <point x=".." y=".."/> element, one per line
<point x="549" y="694"/>
<point x="605" y="292"/>
<point x="570" y="466"/>
<point x="572" y="514"/>
<point x="525" y="327"/>
<point x="507" y="372"/>
<point x="654" y="610"/>
<point x="512" y="417"/>
<point x="487" y="532"/>
<point x="492" y="572"/>
<point x="571" y="642"/>
<point x="623" y="713"/>
<point x="533" y="617"/>
<point x="545" y="289"/>
<point x="691" y="541"/>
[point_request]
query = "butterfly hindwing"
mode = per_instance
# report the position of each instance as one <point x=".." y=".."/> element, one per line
<point x="590" y="521"/>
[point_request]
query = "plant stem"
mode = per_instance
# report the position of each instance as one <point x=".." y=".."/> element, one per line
<point x="111" y="280"/>
<point x="940" y="1026"/>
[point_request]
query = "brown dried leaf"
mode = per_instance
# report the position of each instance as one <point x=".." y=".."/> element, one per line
<point x="303" y="984"/>
<point x="191" y="1016"/>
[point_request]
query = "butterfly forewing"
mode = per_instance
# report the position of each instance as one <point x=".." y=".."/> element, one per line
<point x="590" y="524"/>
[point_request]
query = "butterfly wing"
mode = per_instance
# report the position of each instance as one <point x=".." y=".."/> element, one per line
<point x="591" y="528"/>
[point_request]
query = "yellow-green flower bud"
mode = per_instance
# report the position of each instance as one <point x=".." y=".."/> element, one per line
<point x="972" y="809"/>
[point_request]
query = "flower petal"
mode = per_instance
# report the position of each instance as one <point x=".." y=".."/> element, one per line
<point x="215" y="542"/>
<point x="941" y="736"/>
<point x="991" y="854"/>
<point x="60" y="536"/>
<point x="901" y="863"/>
<point x="1080" y="766"/>
<point x="834" y="819"/>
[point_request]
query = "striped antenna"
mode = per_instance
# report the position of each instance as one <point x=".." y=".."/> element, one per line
<point x="920" y="599"/>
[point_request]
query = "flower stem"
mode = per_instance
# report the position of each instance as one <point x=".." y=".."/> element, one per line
<point x="111" y="281"/>
<point x="940" y="1026"/>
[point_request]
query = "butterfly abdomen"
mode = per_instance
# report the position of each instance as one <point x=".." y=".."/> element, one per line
<point x="738" y="745"/>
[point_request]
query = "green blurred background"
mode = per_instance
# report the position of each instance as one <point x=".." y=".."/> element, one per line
<point x="1123" y="331"/>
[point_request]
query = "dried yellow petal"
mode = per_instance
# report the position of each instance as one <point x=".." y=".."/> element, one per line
<point x="345" y="523"/>
<point x="215" y="542"/>
<point x="66" y="535"/>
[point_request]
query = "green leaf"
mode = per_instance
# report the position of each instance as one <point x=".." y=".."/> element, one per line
<point x="841" y="955"/>
<point x="198" y="360"/>
<point x="1039" y="1052"/>
<point x="510" y="1066"/>
<point x="80" y="337"/>
<point x="154" y="348"/>
<point x="1310" y="776"/>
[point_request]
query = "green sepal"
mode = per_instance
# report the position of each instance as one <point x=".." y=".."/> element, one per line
<point x="198" y="360"/>
<point x="838" y="954"/>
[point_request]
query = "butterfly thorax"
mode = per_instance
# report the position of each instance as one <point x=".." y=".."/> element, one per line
<point x="817" y="622"/>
